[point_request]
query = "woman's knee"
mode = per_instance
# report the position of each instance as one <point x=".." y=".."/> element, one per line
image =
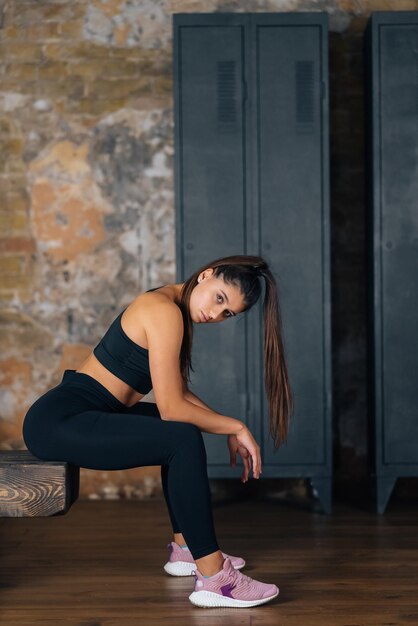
<point x="188" y="436"/>
<point x="187" y="430"/>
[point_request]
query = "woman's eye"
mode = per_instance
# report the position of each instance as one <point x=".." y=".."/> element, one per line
<point x="228" y="314"/>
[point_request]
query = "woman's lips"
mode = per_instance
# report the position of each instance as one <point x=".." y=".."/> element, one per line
<point x="202" y="317"/>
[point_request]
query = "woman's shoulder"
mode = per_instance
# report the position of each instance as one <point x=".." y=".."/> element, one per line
<point x="156" y="296"/>
<point x="151" y="306"/>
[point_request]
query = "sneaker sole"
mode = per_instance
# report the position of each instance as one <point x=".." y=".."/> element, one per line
<point x="209" y="599"/>
<point x="184" y="568"/>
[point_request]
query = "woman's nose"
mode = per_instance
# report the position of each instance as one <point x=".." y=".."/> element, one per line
<point x="213" y="315"/>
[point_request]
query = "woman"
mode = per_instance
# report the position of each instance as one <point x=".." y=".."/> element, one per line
<point x="95" y="418"/>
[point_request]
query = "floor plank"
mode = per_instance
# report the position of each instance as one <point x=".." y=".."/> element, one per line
<point x="101" y="565"/>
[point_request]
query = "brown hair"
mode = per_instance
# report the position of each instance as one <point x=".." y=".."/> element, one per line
<point x="245" y="272"/>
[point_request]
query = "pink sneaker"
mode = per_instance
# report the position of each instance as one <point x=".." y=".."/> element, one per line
<point x="230" y="588"/>
<point x="181" y="562"/>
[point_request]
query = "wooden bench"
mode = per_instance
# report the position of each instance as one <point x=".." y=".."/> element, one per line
<point x="31" y="487"/>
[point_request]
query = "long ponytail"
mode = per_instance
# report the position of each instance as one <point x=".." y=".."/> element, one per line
<point x="278" y="391"/>
<point x="245" y="272"/>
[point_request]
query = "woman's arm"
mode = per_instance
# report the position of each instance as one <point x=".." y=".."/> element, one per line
<point x="188" y="395"/>
<point x="233" y="444"/>
<point x="163" y="324"/>
<point x="204" y="418"/>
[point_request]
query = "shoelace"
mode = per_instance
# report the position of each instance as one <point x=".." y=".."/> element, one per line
<point x="242" y="578"/>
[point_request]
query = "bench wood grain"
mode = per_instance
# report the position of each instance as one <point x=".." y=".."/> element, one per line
<point x="32" y="487"/>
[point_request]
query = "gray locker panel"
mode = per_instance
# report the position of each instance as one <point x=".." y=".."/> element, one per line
<point x="212" y="152"/>
<point x="211" y="141"/>
<point x="398" y="130"/>
<point x="291" y="218"/>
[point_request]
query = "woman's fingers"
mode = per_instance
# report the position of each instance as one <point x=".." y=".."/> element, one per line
<point x="256" y="462"/>
<point x="246" y="470"/>
<point x="247" y="457"/>
<point x="247" y="467"/>
<point x="233" y="446"/>
<point x="246" y="439"/>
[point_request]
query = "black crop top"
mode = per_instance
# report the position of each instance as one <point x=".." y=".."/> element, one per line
<point x="123" y="357"/>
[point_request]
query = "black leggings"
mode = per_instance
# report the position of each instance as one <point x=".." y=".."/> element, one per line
<point x="81" y="422"/>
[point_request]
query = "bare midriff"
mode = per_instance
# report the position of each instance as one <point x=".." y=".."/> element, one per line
<point x="117" y="387"/>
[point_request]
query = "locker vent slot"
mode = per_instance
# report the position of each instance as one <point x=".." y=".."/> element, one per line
<point x="227" y="95"/>
<point x="304" y="72"/>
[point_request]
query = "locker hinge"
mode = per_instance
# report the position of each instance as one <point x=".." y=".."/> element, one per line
<point x="323" y="90"/>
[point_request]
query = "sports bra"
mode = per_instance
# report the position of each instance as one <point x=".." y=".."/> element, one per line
<point x="123" y="357"/>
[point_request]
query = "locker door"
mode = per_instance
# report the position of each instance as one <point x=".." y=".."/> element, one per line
<point x="294" y="222"/>
<point x="399" y="241"/>
<point x="210" y="188"/>
<point x="392" y="45"/>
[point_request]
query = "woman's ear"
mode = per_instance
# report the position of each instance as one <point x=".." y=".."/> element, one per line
<point x="207" y="273"/>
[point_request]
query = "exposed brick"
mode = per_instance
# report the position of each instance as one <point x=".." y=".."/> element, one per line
<point x="13" y="165"/>
<point x="53" y="69"/>
<point x="12" y="32"/>
<point x="42" y="32"/>
<point x="61" y="87"/>
<point x="17" y="244"/>
<point x="17" y="281"/>
<point x="96" y="107"/>
<point x="59" y="12"/>
<point x="7" y="295"/>
<point x="11" y="146"/>
<point x="12" y="221"/>
<point x="18" y="199"/>
<point x="10" y="265"/>
<point x="114" y="68"/>
<point x="20" y="51"/>
<point x="163" y="85"/>
<point x="107" y="88"/>
<point x="71" y="30"/>
<point x="22" y="71"/>
<point x="29" y="87"/>
<point x="75" y="51"/>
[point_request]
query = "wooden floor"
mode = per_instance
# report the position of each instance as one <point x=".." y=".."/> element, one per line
<point x="101" y="564"/>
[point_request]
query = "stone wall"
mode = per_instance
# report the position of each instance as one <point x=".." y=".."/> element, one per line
<point x="87" y="199"/>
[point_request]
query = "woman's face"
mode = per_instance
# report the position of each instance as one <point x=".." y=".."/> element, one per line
<point x="213" y="300"/>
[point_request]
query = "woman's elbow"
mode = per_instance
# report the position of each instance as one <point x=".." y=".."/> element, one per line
<point x="170" y="412"/>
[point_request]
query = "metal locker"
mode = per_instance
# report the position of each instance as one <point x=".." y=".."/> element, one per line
<point x="392" y="61"/>
<point x="251" y="177"/>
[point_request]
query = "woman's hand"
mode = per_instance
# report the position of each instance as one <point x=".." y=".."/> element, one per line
<point x="247" y="447"/>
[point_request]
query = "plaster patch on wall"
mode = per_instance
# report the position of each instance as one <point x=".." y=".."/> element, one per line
<point x="135" y="173"/>
<point x="10" y="101"/>
<point x="129" y="23"/>
<point x="67" y="207"/>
